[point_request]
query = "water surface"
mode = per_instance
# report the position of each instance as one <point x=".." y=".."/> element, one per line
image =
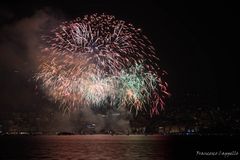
<point x="117" y="147"/>
<point x="85" y="147"/>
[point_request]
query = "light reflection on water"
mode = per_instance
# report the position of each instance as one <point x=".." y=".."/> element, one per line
<point x="86" y="147"/>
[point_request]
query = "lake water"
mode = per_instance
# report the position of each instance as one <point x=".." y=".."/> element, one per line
<point x="107" y="147"/>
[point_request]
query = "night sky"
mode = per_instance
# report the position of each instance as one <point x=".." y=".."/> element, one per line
<point x="196" y="43"/>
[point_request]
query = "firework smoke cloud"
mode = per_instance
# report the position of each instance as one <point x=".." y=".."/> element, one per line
<point x="99" y="61"/>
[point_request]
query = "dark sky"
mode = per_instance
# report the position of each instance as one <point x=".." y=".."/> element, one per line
<point x="196" y="43"/>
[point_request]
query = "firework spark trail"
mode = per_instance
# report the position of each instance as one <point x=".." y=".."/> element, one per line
<point x="98" y="60"/>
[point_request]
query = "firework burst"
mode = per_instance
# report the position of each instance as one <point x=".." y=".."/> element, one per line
<point x="98" y="60"/>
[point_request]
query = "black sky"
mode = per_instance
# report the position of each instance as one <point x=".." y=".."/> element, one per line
<point x="196" y="43"/>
